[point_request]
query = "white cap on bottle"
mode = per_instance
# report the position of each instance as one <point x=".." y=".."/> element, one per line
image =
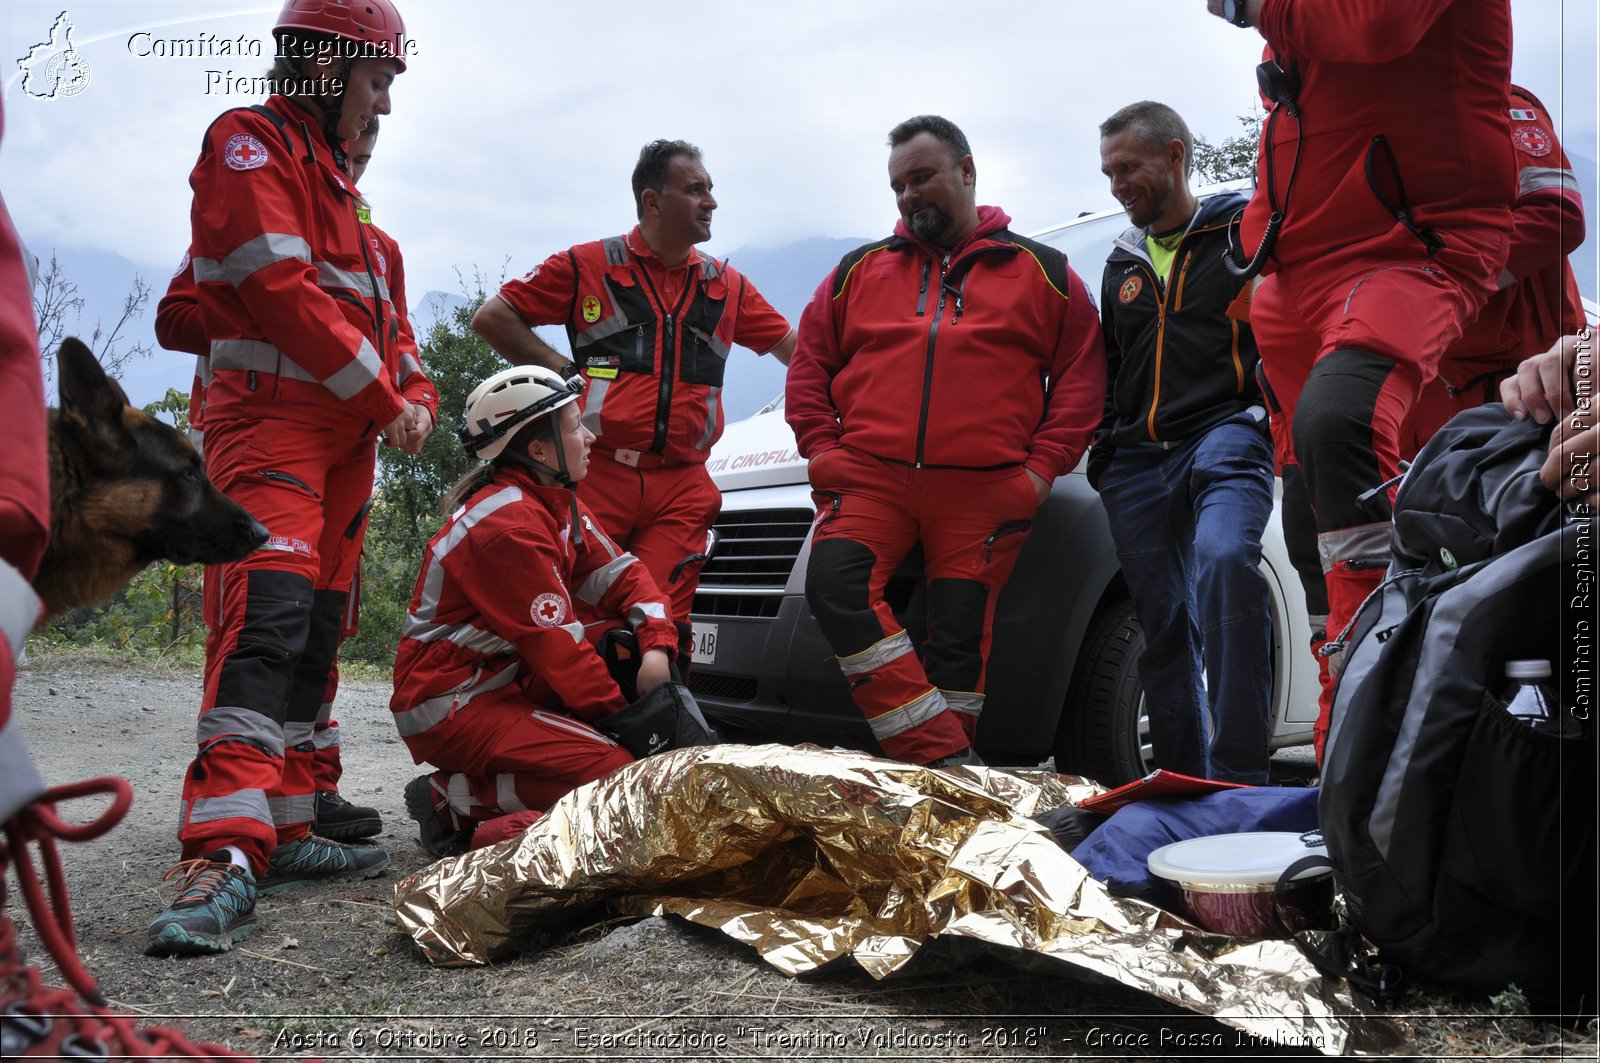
<point x="1527" y="669"/>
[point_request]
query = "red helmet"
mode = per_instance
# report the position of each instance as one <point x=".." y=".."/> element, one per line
<point x="374" y="22"/>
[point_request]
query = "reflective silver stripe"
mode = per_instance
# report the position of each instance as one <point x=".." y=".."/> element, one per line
<point x="464" y="635"/>
<point x="241" y="804"/>
<point x="575" y="629"/>
<point x="197" y="439"/>
<point x="877" y="655"/>
<point x="348" y="382"/>
<point x="295" y="732"/>
<point x="234" y="721"/>
<point x="458" y="795"/>
<point x="433" y="582"/>
<point x="964" y="701"/>
<point x="19" y="608"/>
<point x="593" y="401"/>
<point x="202" y="370"/>
<point x="505" y="794"/>
<point x="331" y="276"/>
<point x="327" y="738"/>
<point x="301" y="808"/>
<point x="644" y="611"/>
<point x="616" y="248"/>
<point x="1364" y="542"/>
<point x="609" y="327"/>
<point x="603" y="578"/>
<point x="324" y="714"/>
<point x="20" y="781"/>
<point x="436" y="710"/>
<point x="913" y="713"/>
<point x="575" y="726"/>
<point x="602" y="539"/>
<point x="250" y="256"/>
<point x="409" y="367"/>
<point x="256" y="356"/>
<point x="713" y="409"/>
<point x="1539" y="178"/>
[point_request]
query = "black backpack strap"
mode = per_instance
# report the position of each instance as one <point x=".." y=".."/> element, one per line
<point x="1368" y="974"/>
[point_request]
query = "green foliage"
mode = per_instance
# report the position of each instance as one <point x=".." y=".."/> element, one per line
<point x="175" y="405"/>
<point x="158" y="612"/>
<point x="405" y="510"/>
<point x="1234" y="158"/>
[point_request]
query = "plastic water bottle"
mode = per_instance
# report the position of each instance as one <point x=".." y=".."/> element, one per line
<point x="1530" y="698"/>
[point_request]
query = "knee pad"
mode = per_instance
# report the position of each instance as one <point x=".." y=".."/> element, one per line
<point x="259" y="671"/>
<point x="838" y="582"/>
<point x="953" y="654"/>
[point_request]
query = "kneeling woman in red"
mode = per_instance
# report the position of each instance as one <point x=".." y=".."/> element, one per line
<point x="495" y="684"/>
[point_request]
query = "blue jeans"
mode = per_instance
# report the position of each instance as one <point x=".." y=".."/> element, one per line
<point x="1188" y="523"/>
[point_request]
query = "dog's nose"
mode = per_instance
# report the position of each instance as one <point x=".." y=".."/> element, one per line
<point x="257" y="531"/>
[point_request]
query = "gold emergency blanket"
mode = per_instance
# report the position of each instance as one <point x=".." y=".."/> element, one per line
<point x="810" y="855"/>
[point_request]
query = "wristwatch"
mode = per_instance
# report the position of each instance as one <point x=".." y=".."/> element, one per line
<point x="1235" y="12"/>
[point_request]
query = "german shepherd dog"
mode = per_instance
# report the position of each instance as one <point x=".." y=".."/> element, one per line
<point x="125" y="490"/>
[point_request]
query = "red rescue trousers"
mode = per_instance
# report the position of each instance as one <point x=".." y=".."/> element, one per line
<point x="1348" y="340"/>
<point x="658" y="513"/>
<point x="278" y="617"/>
<point x="971" y="524"/>
<point x="504" y="754"/>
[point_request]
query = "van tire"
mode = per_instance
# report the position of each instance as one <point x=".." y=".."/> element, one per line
<point x="1098" y="736"/>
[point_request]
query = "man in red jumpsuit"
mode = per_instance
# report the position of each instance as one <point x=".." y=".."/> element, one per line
<point x="179" y="328"/>
<point x="1386" y="162"/>
<point x="651" y="321"/>
<point x="943" y="379"/>
<point x="39" y="1020"/>
<point x="495" y="683"/>
<point x="298" y="320"/>
<point x="1538" y="300"/>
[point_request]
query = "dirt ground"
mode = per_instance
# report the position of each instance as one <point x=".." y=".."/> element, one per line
<point x="327" y="973"/>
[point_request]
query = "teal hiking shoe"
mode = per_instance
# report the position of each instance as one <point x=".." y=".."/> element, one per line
<point x="439" y="834"/>
<point x="311" y="859"/>
<point x="216" y="906"/>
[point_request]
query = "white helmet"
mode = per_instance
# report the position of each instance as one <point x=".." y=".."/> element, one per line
<point x="511" y="398"/>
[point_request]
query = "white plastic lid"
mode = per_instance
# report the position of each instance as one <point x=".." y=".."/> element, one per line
<point x="1257" y="858"/>
<point x="1527" y="669"/>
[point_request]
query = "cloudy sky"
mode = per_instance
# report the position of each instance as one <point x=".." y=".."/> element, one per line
<point x="515" y="130"/>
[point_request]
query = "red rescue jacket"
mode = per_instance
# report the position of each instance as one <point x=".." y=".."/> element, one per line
<point x="653" y="356"/>
<point x="179" y="328"/>
<point x="295" y="313"/>
<point x="1542" y="303"/>
<point x="1420" y="81"/>
<point x="495" y="608"/>
<point x="982" y="357"/>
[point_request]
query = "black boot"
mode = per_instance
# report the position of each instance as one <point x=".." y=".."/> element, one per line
<point x="340" y="821"/>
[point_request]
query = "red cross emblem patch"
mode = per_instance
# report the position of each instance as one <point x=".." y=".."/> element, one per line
<point x="1531" y="140"/>
<point x="244" y="152"/>
<point x="548" y="610"/>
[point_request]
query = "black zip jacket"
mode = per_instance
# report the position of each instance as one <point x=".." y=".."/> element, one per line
<point x="1176" y="363"/>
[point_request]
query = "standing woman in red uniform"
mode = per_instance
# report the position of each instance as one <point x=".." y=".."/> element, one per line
<point x="299" y="320"/>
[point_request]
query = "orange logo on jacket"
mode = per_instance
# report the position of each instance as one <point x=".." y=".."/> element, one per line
<point x="1130" y="289"/>
<point x="591" y="309"/>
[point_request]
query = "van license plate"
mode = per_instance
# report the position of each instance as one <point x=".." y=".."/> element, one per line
<point x="705" y="644"/>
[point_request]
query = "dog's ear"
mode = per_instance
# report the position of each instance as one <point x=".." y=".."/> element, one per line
<point x="92" y="402"/>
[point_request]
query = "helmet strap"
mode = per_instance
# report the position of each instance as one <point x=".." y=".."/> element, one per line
<point x="560" y="474"/>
